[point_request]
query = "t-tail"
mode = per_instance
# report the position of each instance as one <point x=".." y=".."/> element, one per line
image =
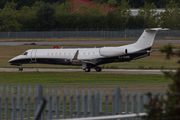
<point x="147" y="38"/>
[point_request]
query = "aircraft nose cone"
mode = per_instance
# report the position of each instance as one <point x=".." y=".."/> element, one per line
<point x="14" y="59"/>
<point x="11" y="60"/>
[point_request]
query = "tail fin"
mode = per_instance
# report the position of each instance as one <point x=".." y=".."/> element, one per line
<point x="147" y="38"/>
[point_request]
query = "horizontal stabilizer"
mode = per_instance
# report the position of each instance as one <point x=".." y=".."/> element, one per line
<point x="156" y="29"/>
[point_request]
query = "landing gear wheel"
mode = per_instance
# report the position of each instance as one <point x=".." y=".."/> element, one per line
<point x="21" y="68"/>
<point x="98" y="69"/>
<point x="87" y="69"/>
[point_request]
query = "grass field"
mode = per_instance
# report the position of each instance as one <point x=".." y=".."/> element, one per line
<point x="86" y="80"/>
<point x="59" y="77"/>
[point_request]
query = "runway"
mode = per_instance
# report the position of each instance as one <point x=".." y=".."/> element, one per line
<point x="82" y="42"/>
<point x="104" y="71"/>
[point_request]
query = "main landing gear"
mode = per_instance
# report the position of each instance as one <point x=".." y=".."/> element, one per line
<point x="88" y="69"/>
<point x="98" y="69"/>
<point x="21" y="68"/>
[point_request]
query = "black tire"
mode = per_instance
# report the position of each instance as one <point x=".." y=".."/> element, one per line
<point x="87" y="69"/>
<point x="20" y="69"/>
<point x="98" y="69"/>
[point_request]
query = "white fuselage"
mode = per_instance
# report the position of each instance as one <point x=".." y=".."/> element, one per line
<point x="84" y="53"/>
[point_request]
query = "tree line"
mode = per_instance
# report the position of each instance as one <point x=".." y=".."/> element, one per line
<point x="45" y="16"/>
<point x="136" y="3"/>
<point x="113" y="3"/>
<point x="29" y="3"/>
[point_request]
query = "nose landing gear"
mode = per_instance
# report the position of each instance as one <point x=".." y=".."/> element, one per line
<point x="21" y="68"/>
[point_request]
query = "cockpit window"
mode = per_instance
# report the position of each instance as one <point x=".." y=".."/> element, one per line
<point x="25" y="53"/>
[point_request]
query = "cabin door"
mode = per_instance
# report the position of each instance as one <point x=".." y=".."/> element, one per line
<point x="33" y="55"/>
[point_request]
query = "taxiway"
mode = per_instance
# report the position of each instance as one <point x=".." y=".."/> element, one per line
<point x="104" y="71"/>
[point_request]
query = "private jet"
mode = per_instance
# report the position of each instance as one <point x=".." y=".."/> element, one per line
<point x="89" y="57"/>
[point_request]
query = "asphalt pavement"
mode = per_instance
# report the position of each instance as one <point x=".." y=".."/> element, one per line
<point x="104" y="71"/>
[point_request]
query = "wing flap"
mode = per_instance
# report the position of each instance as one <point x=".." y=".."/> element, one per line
<point x="89" y="62"/>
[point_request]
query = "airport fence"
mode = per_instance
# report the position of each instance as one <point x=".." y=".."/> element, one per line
<point x="21" y="101"/>
<point x="128" y="33"/>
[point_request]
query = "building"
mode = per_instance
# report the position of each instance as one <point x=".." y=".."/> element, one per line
<point x="76" y="4"/>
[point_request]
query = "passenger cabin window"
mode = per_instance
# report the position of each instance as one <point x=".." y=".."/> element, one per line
<point x="25" y="53"/>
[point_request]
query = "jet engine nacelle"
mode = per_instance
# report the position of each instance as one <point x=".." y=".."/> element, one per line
<point x="112" y="51"/>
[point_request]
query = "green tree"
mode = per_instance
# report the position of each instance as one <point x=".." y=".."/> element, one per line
<point x="46" y="17"/>
<point x="64" y="7"/>
<point x="9" y="16"/>
<point x="83" y="8"/>
<point x="119" y="16"/>
<point x="22" y="3"/>
<point x="29" y="3"/>
<point x="37" y="5"/>
<point x="62" y="13"/>
<point x="169" y="108"/>
<point x="112" y="3"/>
<point x="91" y="17"/>
<point x="149" y="14"/>
<point x="114" y="20"/>
<point x="171" y="17"/>
<point x="136" y="3"/>
<point x="135" y="22"/>
<point x="27" y="17"/>
<point x="100" y="1"/>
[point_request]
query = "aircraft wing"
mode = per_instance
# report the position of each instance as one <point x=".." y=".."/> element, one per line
<point x="89" y="62"/>
<point x="76" y="61"/>
<point x="76" y="55"/>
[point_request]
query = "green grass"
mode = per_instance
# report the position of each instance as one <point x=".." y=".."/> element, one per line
<point x="74" y="77"/>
